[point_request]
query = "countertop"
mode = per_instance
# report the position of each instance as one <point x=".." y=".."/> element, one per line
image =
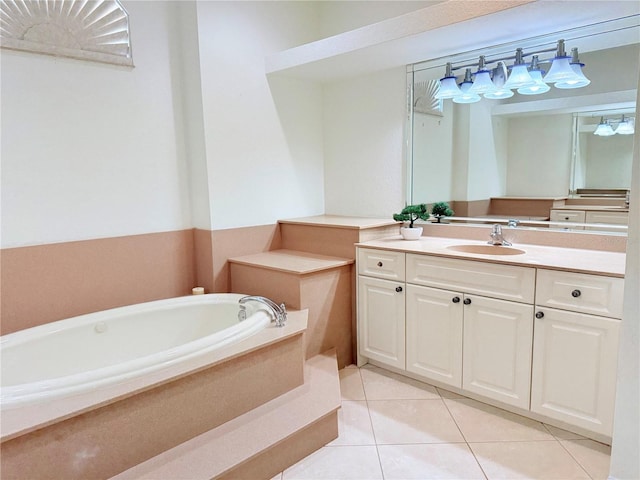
<point x="597" y="262"/>
<point x="337" y="221"/>
<point x="593" y="208"/>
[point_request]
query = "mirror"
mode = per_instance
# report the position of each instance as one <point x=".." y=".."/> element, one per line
<point x="530" y="157"/>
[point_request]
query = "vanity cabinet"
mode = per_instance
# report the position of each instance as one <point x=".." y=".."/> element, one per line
<point x="381" y="306"/>
<point x="569" y="216"/>
<point x="615" y="218"/>
<point x="575" y="348"/>
<point x="543" y="341"/>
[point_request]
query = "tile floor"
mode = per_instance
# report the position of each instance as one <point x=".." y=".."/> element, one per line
<point x="396" y="428"/>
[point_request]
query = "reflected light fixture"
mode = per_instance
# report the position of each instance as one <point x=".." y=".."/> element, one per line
<point x="448" y="86"/>
<point x="626" y="126"/>
<point x="499" y="75"/>
<point x="527" y="79"/>
<point x="538" y="86"/>
<point x="465" y="87"/>
<point x="604" y="128"/>
<point x="579" y="80"/>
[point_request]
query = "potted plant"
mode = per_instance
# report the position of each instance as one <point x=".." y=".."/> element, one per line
<point x="441" y="209"/>
<point x="410" y="214"/>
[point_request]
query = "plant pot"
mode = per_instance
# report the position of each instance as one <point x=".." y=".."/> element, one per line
<point x="411" y="233"/>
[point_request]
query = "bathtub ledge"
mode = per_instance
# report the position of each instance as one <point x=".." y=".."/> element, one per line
<point x="26" y="419"/>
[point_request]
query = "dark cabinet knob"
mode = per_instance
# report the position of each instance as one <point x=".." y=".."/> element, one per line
<point x="455" y="299"/>
<point x="566" y="218"/>
<point x="398" y="289"/>
<point x="539" y="314"/>
<point x="379" y="264"/>
<point x="467" y="301"/>
<point x="576" y="293"/>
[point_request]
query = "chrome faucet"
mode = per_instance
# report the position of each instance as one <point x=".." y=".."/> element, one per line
<point x="278" y="312"/>
<point x="497" y="238"/>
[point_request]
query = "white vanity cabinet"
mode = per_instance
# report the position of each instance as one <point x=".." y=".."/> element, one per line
<point x="576" y="347"/>
<point x="434" y="334"/>
<point x="381" y="306"/>
<point x="486" y="322"/>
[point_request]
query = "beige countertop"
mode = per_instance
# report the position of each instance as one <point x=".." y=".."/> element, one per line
<point x="337" y="221"/>
<point x="598" y="262"/>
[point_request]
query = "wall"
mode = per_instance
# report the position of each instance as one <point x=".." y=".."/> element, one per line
<point x="263" y="136"/>
<point x="363" y="144"/>
<point x="609" y="160"/>
<point x="539" y="165"/>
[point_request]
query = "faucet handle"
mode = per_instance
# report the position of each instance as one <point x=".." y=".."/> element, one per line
<point x="497" y="229"/>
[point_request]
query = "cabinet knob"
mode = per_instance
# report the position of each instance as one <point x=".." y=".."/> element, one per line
<point x="539" y="314"/>
<point x="566" y="218"/>
<point x="467" y="301"/>
<point x="455" y="299"/>
<point x="379" y="264"/>
<point x="576" y="293"/>
<point x="398" y="289"/>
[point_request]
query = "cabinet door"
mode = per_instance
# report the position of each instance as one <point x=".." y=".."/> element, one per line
<point x="498" y="338"/>
<point x="434" y="334"/>
<point x="381" y="327"/>
<point x="574" y="368"/>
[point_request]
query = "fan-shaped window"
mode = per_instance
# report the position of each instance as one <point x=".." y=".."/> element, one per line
<point x="95" y="30"/>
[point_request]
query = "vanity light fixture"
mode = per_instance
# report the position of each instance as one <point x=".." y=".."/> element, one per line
<point x="467" y="95"/>
<point x="626" y="126"/>
<point x="526" y="78"/>
<point x="604" y="128"/>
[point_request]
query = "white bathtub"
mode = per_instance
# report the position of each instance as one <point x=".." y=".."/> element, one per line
<point x="81" y="354"/>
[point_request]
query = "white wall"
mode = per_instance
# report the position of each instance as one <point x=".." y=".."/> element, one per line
<point x="609" y="160"/>
<point x="90" y="150"/>
<point x="263" y="136"/>
<point x="363" y="144"/>
<point x="539" y="165"/>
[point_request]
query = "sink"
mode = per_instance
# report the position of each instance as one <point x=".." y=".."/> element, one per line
<point x="486" y="249"/>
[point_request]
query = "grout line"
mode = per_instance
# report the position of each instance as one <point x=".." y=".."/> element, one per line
<point x="576" y="460"/>
<point x="373" y="432"/>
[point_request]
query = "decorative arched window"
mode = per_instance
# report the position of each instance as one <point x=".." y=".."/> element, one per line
<point x="96" y="30"/>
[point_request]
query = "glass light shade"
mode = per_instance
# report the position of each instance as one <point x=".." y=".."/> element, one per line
<point x="519" y="77"/>
<point x="499" y="77"/>
<point x="500" y="92"/>
<point x="604" y="129"/>
<point x="538" y="87"/>
<point x="561" y="71"/>
<point x="625" y="127"/>
<point x="482" y="83"/>
<point x="448" y="89"/>
<point x="466" y="96"/>
<point x="579" y="81"/>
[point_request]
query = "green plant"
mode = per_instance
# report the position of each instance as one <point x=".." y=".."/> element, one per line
<point x="411" y="213"/>
<point x="441" y="209"/>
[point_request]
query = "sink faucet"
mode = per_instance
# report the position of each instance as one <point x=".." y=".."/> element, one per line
<point x="278" y="312"/>
<point x="497" y="238"/>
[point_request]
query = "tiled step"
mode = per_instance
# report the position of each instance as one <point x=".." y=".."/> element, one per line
<point x="262" y="442"/>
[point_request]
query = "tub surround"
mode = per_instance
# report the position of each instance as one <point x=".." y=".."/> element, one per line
<point x="262" y="442"/>
<point x="123" y="432"/>
<point x="319" y="283"/>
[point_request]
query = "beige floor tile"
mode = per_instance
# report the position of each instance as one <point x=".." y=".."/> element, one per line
<point x="561" y="434"/>
<point x="277" y="477"/>
<point x="546" y="460"/>
<point x="412" y="421"/>
<point x="354" y="424"/>
<point x="380" y="384"/>
<point x="483" y="423"/>
<point x="351" y="384"/>
<point x="447" y="394"/>
<point x="593" y="456"/>
<point x="429" y="461"/>
<point x="337" y="463"/>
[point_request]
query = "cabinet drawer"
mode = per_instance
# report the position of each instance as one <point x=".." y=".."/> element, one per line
<point x="506" y="282"/>
<point x="580" y="292"/>
<point x="577" y="216"/>
<point x="615" y="218"/>
<point x="381" y="264"/>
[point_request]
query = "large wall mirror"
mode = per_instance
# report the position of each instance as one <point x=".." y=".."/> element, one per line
<point x="534" y="158"/>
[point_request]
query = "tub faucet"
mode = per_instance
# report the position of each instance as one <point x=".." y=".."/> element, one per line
<point x="278" y="312"/>
<point x="497" y="238"/>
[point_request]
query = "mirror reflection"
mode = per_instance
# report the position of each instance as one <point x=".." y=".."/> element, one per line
<point x="530" y="158"/>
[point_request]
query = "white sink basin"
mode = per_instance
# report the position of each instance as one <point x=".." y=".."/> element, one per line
<point x="486" y="249"/>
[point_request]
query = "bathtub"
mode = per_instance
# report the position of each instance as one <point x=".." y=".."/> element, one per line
<point x="89" y="352"/>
